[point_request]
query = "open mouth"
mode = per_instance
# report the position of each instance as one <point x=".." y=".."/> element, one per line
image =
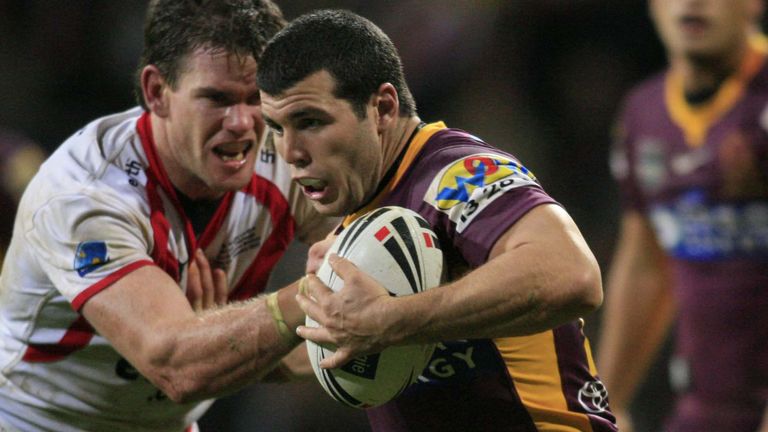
<point x="233" y="151"/>
<point x="312" y="185"/>
<point x="693" y="23"/>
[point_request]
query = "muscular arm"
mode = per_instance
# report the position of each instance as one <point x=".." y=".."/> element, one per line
<point x="189" y="356"/>
<point x="638" y="313"/>
<point x="540" y="274"/>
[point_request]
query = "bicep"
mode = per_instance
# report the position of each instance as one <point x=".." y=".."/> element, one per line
<point x="546" y="229"/>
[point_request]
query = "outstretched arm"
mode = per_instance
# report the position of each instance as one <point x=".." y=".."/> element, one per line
<point x="188" y="355"/>
<point x="638" y="313"/>
<point x="540" y="274"/>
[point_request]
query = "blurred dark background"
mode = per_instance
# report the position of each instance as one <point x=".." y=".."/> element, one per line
<point x="541" y="79"/>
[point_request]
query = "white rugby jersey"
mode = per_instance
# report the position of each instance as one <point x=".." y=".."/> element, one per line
<point x="100" y="207"/>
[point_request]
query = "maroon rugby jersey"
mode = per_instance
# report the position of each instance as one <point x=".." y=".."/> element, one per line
<point x="471" y="193"/>
<point x="700" y="174"/>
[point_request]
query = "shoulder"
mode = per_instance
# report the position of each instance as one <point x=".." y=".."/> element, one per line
<point x="648" y="93"/>
<point x="457" y="156"/>
<point x="93" y="164"/>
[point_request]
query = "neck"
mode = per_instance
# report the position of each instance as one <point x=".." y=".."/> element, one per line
<point x="705" y="73"/>
<point x="395" y="139"/>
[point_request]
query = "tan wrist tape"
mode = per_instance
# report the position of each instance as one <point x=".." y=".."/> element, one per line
<point x="288" y="336"/>
<point x="304" y="286"/>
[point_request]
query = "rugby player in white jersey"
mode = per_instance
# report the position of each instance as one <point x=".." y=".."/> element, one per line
<point x="124" y="294"/>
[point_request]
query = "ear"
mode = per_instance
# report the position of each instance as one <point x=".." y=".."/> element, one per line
<point x="756" y="11"/>
<point x="153" y="87"/>
<point x="387" y="106"/>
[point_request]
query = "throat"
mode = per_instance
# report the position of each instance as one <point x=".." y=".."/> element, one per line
<point x="200" y="211"/>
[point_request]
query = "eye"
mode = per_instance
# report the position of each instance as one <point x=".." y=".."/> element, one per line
<point x="309" y="123"/>
<point x="277" y="130"/>
<point x="219" y="99"/>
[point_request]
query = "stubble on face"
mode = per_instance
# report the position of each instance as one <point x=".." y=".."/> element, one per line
<point x="214" y="124"/>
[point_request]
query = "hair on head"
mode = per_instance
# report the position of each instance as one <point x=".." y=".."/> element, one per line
<point x="357" y="54"/>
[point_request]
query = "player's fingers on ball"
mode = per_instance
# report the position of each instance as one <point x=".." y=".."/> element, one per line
<point x="318" y="335"/>
<point x="316" y="288"/>
<point x="310" y="307"/>
<point x="342" y="266"/>
<point x="338" y="359"/>
<point x="220" y="285"/>
<point x="316" y="254"/>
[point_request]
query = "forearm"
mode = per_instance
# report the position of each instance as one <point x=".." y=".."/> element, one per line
<point x="638" y="315"/>
<point x="639" y="310"/>
<point x="541" y="274"/>
<point x="220" y="352"/>
<point x="189" y="356"/>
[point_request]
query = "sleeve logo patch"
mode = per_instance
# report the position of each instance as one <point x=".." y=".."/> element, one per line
<point x="467" y="185"/>
<point x="89" y="256"/>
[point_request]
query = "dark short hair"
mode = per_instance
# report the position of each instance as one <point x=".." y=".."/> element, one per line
<point x="357" y="54"/>
<point x="174" y="29"/>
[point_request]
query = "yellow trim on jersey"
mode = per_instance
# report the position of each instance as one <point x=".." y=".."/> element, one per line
<point x="532" y="364"/>
<point x="696" y="121"/>
<point x="414" y="148"/>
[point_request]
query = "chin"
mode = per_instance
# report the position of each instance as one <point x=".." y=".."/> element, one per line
<point x="330" y="209"/>
<point x="231" y="184"/>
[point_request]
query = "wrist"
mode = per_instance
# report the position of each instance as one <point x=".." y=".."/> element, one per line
<point x="287" y="333"/>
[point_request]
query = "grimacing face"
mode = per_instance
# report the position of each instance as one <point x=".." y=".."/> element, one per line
<point x="703" y="29"/>
<point x="213" y="124"/>
<point x="335" y="156"/>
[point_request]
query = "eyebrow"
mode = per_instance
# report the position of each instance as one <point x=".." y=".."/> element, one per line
<point x="209" y="91"/>
<point x="306" y="112"/>
<point x="296" y="115"/>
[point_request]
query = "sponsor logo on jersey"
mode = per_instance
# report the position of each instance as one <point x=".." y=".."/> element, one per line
<point x="686" y="163"/>
<point x="593" y="397"/>
<point x="695" y="228"/>
<point x="460" y="360"/>
<point x="89" y="256"/>
<point x="465" y="187"/>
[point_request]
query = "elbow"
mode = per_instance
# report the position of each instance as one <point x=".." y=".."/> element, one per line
<point x="587" y="288"/>
<point x="174" y="380"/>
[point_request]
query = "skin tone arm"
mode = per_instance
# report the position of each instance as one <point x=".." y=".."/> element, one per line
<point x="638" y="313"/>
<point x="191" y="355"/>
<point x="540" y="274"/>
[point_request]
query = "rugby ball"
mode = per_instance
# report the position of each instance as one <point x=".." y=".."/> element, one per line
<point x="396" y="247"/>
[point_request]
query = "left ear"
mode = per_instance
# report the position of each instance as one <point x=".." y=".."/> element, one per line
<point x="387" y="106"/>
<point x="756" y="11"/>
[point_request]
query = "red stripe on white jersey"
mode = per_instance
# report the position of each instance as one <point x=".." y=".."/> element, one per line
<point x="254" y="280"/>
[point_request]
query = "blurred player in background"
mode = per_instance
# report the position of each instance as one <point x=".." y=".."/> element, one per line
<point x="137" y="208"/>
<point x="692" y="161"/>
<point x="512" y="354"/>
<point x="20" y="157"/>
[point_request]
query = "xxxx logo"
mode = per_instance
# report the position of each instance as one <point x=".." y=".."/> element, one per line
<point x="464" y="176"/>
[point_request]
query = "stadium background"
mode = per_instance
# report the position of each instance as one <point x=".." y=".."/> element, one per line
<point x="539" y="78"/>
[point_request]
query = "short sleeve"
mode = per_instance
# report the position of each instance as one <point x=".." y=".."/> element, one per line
<point x="482" y="195"/>
<point x="84" y="243"/>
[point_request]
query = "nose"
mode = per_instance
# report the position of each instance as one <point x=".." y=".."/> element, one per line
<point x="291" y="149"/>
<point x="240" y="118"/>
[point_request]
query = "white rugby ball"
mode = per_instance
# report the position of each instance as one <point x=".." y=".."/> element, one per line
<point x="396" y="247"/>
